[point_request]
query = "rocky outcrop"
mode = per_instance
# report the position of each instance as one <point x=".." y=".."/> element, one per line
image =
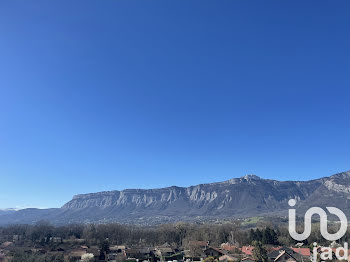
<point x="238" y="197"/>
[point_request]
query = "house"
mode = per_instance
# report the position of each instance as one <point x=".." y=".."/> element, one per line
<point x="164" y="252"/>
<point x="193" y="256"/>
<point x="247" y="250"/>
<point x="76" y="254"/>
<point x="228" y="258"/>
<point x="286" y="254"/>
<point x="201" y="244"/>
<point x="269" y="248"/>
<point x="229" y="247"/>
<point x="117" y="249"/>
<point x="213" y="252"/>
<point x="116" y="252"/>
<point x="196" y="250"/>
<point x="306" y="252"/>
<point x="139" y="253"/>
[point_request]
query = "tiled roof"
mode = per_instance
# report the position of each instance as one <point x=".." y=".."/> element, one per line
<point x="248" y="250"/>
<point x="302" y="251"/>
<point x="199" y="243"/>
<point x="227" y="246"/>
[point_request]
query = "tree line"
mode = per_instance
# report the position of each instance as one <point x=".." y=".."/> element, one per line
<point x="178" y="234"/>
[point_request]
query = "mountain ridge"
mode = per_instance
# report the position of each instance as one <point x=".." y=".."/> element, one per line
<point x="245" y="196"/>
<point x="248" y="176"/>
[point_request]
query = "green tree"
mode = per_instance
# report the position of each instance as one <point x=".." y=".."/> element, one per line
<point x="269" y="236"/>
<point x="259" y="252"/>
<point x="258" y="235"/>
<point x="252" y="235"/>
<point x="104" y="247"/>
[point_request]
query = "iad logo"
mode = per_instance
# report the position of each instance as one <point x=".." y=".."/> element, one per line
<point x="323" y="222"/>
<point x="326" y="252"/>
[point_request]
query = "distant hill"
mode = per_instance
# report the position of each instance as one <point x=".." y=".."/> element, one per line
<point x="7" y="211"/>
<point x="246" y="196"/>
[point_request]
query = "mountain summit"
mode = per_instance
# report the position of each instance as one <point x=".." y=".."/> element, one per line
<point x="246" y="196"/>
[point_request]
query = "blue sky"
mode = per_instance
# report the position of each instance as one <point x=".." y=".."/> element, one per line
<point x="115" y="94"/>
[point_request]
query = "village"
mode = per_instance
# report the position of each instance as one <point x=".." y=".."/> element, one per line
<point x="76" y="250"/>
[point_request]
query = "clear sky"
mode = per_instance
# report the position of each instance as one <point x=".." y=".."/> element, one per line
<point x="114" y="94"/>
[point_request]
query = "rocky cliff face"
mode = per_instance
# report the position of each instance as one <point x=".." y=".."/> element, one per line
<point x="237" y="197"/>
